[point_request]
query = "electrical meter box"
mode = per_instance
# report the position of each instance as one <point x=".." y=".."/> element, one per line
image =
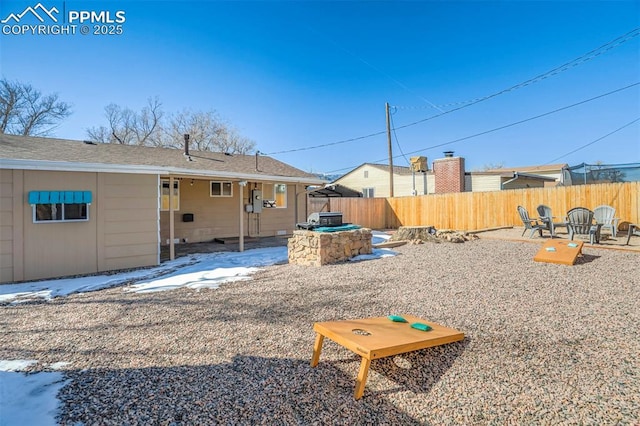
<point x="256" y="200"/>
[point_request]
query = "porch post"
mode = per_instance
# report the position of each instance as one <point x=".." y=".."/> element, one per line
<point x="172" y="247"/>
<point x="241" y="186"/>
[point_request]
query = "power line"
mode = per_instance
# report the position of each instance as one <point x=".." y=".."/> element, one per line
<point x="592" y="142"/>
<point x="329" y="144"/>
<point x="511" y="124"/>
<point x="587" y="56"/>
<point x="564" y="67"/>
<point x="395" y="135"/>
<point x="530" y="118"/>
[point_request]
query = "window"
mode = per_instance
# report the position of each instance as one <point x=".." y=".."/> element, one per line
<point x="60" y="212"/>
<point x="221" y="189"/>
<point x="280" y="195"/>
<point x="275" y="196"/>
<point x="164" y="195"/>
<point x="75" y="211"/>
<point x="367" y="192"/>
<point x="60" y="206"/>
<point x="366" y="174"/>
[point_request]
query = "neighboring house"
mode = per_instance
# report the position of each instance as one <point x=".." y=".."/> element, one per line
<point x="68" y="207"/>
<point x="514" y="178"/>
<point x="372" y="180"/>
<point x="447" y="174"/>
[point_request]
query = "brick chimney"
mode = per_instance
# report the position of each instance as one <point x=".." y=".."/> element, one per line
<point x="449" y="173"/>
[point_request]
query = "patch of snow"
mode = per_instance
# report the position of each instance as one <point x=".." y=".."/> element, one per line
<point x="16" y="364"/>
<point x="29" y="399"/>
<point x="375" y="254"/>
<point x="379" y="237"/>
<point x="59" y="365"/>
<point x="196" y="272"/>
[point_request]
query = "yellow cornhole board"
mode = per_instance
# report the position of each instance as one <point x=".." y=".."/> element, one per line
<point x="559" y="251"/>
<point x="373" y="338"/>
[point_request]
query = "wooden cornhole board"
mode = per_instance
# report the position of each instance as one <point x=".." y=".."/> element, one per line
<point x="559" y="251"/>
<point x="373" y="338"/>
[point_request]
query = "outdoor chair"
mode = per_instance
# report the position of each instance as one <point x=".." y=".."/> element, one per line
<point x="605" y="215"/>
<point x="530" y="224"/>
<point x="634" y="229"/>
<point x="546" y="217"/>
<point x="580" y="222"/>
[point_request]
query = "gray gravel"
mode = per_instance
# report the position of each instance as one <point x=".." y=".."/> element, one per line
<point x="545" y="344"/>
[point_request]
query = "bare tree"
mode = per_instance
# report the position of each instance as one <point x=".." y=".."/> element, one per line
<point x="25" y="111"/>
<point x="207" y="131"/>
<point x="492" y="166"/>
<point x="150" y="127"/>
<point x="238" y="143"/>
<point x="128" y="127"/>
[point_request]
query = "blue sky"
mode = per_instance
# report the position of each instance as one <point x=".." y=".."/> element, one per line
<point x="292" y="75"/>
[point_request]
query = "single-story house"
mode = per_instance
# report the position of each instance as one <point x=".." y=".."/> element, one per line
<point x="372" y="180"/>
<point x="71" y="207"/>
<point x="447" y="174"/>
<point x="514" y="178"/>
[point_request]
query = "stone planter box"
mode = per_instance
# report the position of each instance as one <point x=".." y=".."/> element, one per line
<point x="323" y="248"/>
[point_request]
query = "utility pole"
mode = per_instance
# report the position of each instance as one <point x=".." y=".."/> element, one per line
<point x="386" y="106"/>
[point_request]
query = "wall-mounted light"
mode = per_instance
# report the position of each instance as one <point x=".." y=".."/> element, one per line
<point x="192" y="182"/>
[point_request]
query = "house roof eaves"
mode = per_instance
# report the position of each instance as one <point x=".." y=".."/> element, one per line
<point x="533" y="176"/>
<point x="66" y="166"/>
<point x="547" y="168"/>
<point x="511" y="174"/>
<point x="143" y="169"/>
<point x="503" y="173"/>
<point x="397" y="170"/>
<point x="518" y="175"/>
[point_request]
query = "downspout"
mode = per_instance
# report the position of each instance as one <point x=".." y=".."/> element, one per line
<point x="424" y="183"/>
<point x="172" y="247"/>
<point x="510" y="180"/>
<point x="241" y="186"/>
<point x="413" y="177"/>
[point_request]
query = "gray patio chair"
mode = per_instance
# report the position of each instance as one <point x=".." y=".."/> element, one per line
<point x="530" y="224"/>
<point x="580" y="222"/>
<point x="606" y="216"/>
<point x="634" y="229"/>
<point x="546" y="217"/>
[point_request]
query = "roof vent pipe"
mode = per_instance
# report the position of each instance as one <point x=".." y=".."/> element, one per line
<point x="186" y="144"/>
<point x="448" y="154"/>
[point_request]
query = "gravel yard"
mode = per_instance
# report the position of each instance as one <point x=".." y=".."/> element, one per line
<point x="545" y="343"/>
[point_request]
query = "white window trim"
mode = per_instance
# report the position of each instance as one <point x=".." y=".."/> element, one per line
<point x="285" y="195"/>
<point x="35" y="220"/>
<point x="176" y="184"/>
<point x="221" y="182"/>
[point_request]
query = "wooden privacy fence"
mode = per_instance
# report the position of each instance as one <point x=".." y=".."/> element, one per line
<point x="481" y="210"/>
